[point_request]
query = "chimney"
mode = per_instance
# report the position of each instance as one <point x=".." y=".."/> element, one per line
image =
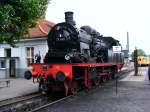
<point x="127" y="47"/>
<point x="69" y="18"/>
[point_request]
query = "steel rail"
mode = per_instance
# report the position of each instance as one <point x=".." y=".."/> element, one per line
<point x="20" y="100"/>
<point x="49" y="104"/>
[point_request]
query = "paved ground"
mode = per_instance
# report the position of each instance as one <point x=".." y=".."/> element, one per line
<point x="18" y="87"/>
<point x="142" y="75"/>
<point x="133" y="96"/>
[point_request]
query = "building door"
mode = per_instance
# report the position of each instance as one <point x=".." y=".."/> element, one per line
<point x="12" y="68"/>
<point x="8" y="52"/>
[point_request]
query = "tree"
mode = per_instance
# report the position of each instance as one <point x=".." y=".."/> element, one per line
<point x="140" y="52"/>
<point x="16" y="16"/>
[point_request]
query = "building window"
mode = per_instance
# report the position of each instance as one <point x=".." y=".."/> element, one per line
<point x="2" y="64"/>
<point x="29" y="55"/>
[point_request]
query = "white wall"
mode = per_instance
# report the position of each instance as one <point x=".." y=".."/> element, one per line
<point x="39" y="45"/>
<point x="15" y="52"/>
<point x="20" y="52"/>
<point x="2" y="49"/>
<point x="2" y="73"/>
<point x="1" y="52"/>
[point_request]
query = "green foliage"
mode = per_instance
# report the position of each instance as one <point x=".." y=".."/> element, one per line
<point x="16" y="16"/>
<point x="140" y="52"/>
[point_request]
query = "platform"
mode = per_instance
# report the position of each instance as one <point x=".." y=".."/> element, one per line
<point x="141" y="77"/>
<point x="18" y="87"/>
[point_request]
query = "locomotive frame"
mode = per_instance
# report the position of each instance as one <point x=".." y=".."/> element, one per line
<point x="71" y="77"/>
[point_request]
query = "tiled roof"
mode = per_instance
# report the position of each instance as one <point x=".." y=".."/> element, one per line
<point x="42" y="28"/>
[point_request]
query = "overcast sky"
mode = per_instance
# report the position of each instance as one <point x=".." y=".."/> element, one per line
<point x="109" y="17"/>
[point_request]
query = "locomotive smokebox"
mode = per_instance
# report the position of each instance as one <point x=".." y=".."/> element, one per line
<point x="69" y="18"/>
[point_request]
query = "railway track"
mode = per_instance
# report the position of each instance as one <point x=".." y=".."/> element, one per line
<point x="29" y="103"/>
<point x="12" y="105"/>
<point x="21" y="99"/>
<point x="49" y="104"/>
<point x="9" y="105"/>
<point x="124" y="73"/>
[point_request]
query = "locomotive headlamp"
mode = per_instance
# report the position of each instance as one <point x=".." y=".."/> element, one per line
<point x="67" y="57"/>
<point x="60" y="76"/>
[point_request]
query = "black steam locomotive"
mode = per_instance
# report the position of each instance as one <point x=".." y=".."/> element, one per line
<point x="77" y="58"/>
<point x="68" y="44"/>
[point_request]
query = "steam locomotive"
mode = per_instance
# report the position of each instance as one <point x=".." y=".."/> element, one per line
<point x="77" y="58"/>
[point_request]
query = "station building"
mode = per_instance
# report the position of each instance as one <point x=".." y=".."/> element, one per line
<point x="15" y="61"/>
